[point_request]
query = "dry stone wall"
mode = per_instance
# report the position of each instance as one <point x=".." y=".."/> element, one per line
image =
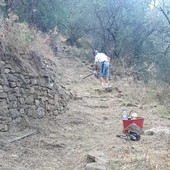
<point x="29" y="89"/>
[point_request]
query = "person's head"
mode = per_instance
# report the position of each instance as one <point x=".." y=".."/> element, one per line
<point x="95" y="52"/>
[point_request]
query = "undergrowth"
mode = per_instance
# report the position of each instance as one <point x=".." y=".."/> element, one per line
<point x="19" y="38"/>
<point x="138" y="91"/>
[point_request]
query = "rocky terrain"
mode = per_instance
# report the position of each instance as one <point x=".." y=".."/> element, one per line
<point x="71" y="123"/>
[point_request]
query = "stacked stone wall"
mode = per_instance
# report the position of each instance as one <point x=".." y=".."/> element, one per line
<point x="29" y="89"/>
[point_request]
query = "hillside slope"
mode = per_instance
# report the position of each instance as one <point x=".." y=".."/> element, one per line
<point x="91" y="123"/>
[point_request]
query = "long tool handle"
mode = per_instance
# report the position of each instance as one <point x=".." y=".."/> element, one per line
<point x="88" y="75"/>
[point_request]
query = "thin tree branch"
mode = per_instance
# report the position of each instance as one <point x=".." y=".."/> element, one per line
<point x="166" y="16"/>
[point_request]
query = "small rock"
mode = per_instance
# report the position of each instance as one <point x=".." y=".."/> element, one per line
<point x="78" y="98"/>
<point x="117" y="89"/>
<point x="95" y="166"/>
<point x="109" y="89"/>
<point x="158" y="130"/>
<point x="97" y="157"/>
<point x="119" y="95"/>
<point x="134" y="128"/>
<point x="131" y="105"/>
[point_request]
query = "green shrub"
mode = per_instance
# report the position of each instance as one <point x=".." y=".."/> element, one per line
<point x="163" y="111"/>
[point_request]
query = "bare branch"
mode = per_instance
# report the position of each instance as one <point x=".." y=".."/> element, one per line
<point x="166" y="16"/>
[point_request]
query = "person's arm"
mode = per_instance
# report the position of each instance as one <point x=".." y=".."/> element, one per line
<point x="96" y="66"/>
<point x="96" y="69"/>
<point x="96" y="62"/>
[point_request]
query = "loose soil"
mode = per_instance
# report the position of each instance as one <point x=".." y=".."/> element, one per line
<point x="91" y="123"/>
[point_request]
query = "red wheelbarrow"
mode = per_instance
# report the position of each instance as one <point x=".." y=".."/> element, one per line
<point x="139" y="121"/>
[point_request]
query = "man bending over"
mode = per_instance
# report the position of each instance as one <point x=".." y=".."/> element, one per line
<point x="102" y="64"/>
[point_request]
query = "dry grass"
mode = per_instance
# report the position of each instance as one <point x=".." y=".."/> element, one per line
<point x="19" y="38"/>
<point x="138" y="94"/>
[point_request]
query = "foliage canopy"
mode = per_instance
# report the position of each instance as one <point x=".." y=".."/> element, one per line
<point x="137" y="31"/>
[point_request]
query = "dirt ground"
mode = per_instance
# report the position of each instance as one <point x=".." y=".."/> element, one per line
<point x="91" y="123"/>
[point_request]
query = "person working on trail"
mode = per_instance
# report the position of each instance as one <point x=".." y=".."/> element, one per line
<point x="102" y="64"/>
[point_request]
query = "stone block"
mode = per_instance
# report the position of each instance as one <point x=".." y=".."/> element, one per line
<point x="40" y="112"/>
<point x="29" y="100"/>
<point x="3" y="102"/>
<point x="12" y="84"/>
<point x="12" y="97"/>
<point x="3" y="95"/>
<point x="37" y="102"/>
<point x="32" y="90"/>
<point x="14" y="113"/>
<point x="1" y="88"/>
<point x="4" y="108"/>
<point x="13" y="104"/>
<point x="34" y="82"/>
<point x="21" y="100"/>
<point x="11" y="78"/>
<point x="3" y="128"/>
<point x="52" y="102"/>
<point x="22" y="110"/>
<point x="7" y="70"/>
